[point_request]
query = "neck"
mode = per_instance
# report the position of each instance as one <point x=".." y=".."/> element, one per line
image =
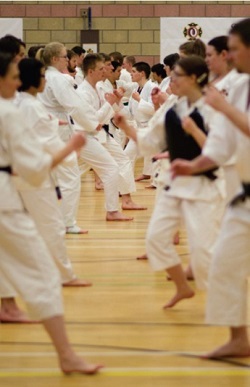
<point x="221" y="75"/>
<point x="91" y="81"/>
<point x="194" y="95"/>
<point x="32" y="91"/>
<point x="142" y="82"/>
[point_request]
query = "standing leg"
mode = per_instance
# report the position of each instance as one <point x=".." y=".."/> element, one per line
<point x="227" y="290"/>
<point x="107" y="169"/>
<point x="27" y="265"/>
<point x="159" y="244"/>
<point x="203" y="220"/>
<point x="126" y="184"/>
<point x="43" y="207"/>
<point x="70" y="184"/>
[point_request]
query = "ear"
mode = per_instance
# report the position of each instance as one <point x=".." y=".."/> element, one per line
<point x="224" y="54"/>
<point x="193" y="78"/>
<point x="54" y="59"/>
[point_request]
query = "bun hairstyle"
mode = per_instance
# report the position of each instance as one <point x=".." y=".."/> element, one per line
<point x="195" y="65"/>
<point x="171" y="59"/>
<point x="220" y="43"/>
<point x="195" y="47"/>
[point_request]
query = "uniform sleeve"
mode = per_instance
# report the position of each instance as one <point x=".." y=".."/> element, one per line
<point x="221" y="142"/>
<point x="73" y="104"/>
<point x="26" y="152"/>
<point x="153" y="140"/>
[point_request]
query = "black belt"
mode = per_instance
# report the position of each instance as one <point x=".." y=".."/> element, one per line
<point x="6" y="169"/>
<point x="242" y="196"/>
<point x="106" y="128"/>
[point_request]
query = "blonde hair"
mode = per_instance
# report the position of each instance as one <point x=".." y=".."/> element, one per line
<point x="50" y="50"/>
<point x="39" y="55"/>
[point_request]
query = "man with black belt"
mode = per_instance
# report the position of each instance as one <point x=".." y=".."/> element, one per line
<point x="102" y="152"/>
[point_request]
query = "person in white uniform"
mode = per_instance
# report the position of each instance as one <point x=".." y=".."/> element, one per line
<point x="25" y="261"/>
<point x="102" y="152"/>
<point x="159" y="76"/>
<point x="42" y="202"/>
<point x="61" y="100"/>
<point x="223" y="77"/>
<point x="141" y="109"/>
<point x="197" y="200"/>
<point x="80" y="52"/>
<point x="227" y="292"/>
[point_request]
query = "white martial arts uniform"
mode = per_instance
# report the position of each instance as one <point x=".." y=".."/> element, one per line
<point x="232" y="180"/>
<point x="103" y="153"/>
<point x="153" y="140"/>
<point x="141" y="112"/>
<point x="25" y="261"/>
<point x="61" y="100"/>
<point x="230" y="267"/>
<point x="42" y="203"/>
<point x="164" y="85"/>
<point x="79" y="77"/>
<point x="195" y="199"/>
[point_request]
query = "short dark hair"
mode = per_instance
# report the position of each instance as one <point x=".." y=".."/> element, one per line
<point x="159" y="70"/>
<point x="105" y="57"/>
<point x="143" y="67"/>
<point x="78" y="50"/>
<point x="30" y="73"/>
<point x="10" y="44"/>
<point x="220" y="43"/>
<point x="71" y="54"/>
<point x="117" y="56"/>
<point x="195" y="65"/>
<point x="5" y="60"/>
<point x="130" y="59"/>
<point x="115" y="64"/>
<point x="90" y="61"/>
<point x="242" y="29"/>
<point x="171" y="59"/>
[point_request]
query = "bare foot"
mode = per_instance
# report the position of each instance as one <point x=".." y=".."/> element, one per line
<point x="130" y="205"/>
<point x="142" y="257"/>
<point x="77" y="282"/>
<point x="15" y="316"/>
<point x="75" y="364"/>
<point x="99" y="185"/>
<point x="234" y="348"/>
<point x="75" y="230"/>
<point x="142" y="177"/>
<point x="188" y="293"/>
<point x="189" y="273"/>
<point x="116" y="216"/>
<point x="151" y="186"/>
<point x="176" y="239"/>
<point x="188" y="278"/>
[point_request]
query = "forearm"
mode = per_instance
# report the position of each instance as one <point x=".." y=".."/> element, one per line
<point x="199" y="136"/>
<point x="130" y="131"/>
<point x="202" y="164"/>
<point x="62" y="154"/>
<point x="238" y="118"/>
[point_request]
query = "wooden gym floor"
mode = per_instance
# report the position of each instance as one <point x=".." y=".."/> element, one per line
<point x="119" y="321"/>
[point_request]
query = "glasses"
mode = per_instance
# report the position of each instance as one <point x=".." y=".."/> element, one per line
<point x="63" y="56"/>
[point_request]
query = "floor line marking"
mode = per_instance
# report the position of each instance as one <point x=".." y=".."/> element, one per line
<point x="130" y="371"/>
